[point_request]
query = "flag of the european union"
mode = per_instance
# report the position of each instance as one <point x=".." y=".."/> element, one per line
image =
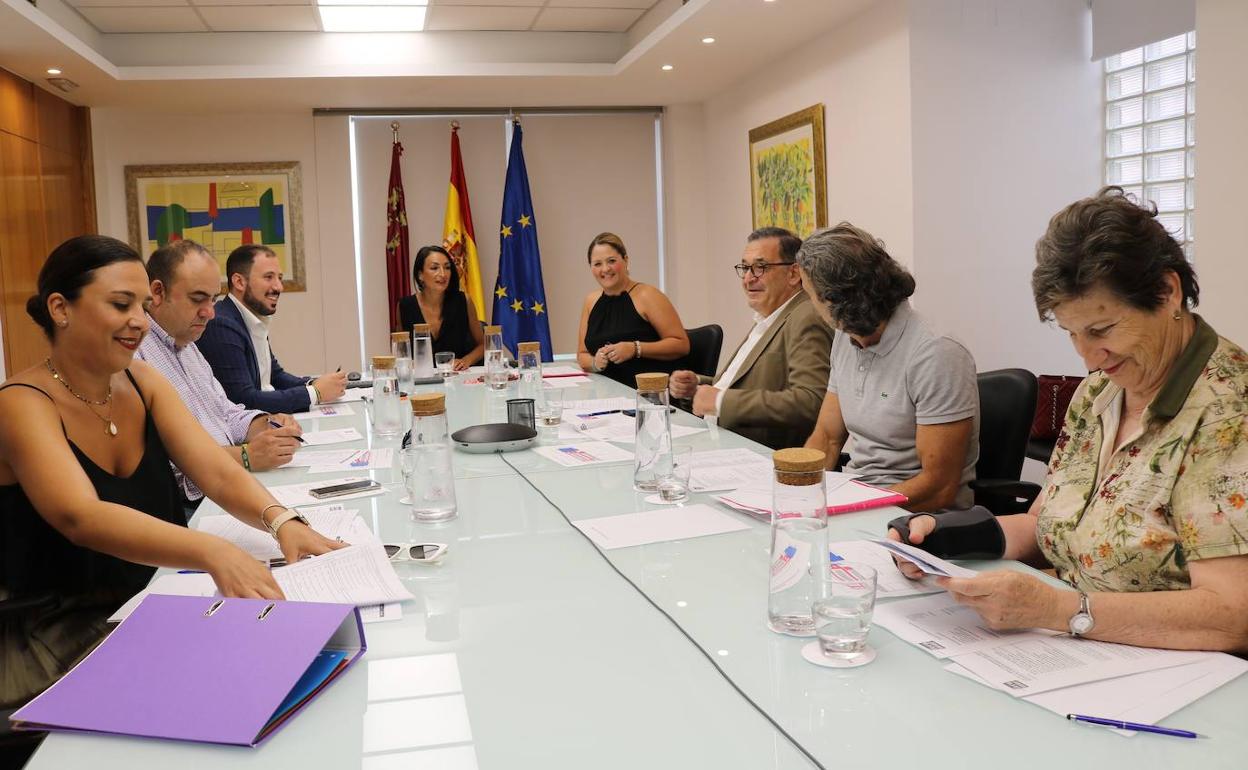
<point x="519" y="296"/>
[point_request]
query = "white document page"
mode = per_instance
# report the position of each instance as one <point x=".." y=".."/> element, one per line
<point x="358" y="574"/>
<point x="587" y="406"/>
<point x="306" y="458"/>
<point x="584" y="453"/>
<point x="297" y="495"/>
<point x="658" y="526"/>
<point x="721" y="469"/>
<point x="332" y="521"/>
<point x="1031" y="665"/>
<point x="320" y="437"/>
<point x="325" y="410"/>
<point x="359" y="460"/>
<point x="889" y="582"/>
<point x="564" y="382"/>
<point x="943" y="627"/>
<point x="931" y="565"/>
<point x="380" y="613"/>
<point x="354" y="394"/>
<point x="620" y="428"/>
<point x="1148" y="697"/>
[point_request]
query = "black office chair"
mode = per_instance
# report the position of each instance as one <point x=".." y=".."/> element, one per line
<point x="1007" y="403"/>
<point x="705" y="342"/>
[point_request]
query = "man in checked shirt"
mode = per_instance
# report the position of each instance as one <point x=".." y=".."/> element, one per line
<point x="185" y="281"/>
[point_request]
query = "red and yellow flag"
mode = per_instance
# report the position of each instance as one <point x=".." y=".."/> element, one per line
<point x="398" y="283"/>
<point x="457" y="234"/>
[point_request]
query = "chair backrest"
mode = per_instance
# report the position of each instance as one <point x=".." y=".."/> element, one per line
<point x="1007" y="404"/>
<point x="705" y="342"/>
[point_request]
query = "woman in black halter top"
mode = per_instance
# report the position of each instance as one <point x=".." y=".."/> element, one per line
<point x="627" y="327"/>
<point x="448" y="311"/>
<point x="87" y="497"/>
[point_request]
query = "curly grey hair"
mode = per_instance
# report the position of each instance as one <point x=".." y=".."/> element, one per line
<point x="854" y="277"/>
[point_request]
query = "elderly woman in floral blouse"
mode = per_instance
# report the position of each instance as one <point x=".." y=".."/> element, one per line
<point x="1145" y="508"/>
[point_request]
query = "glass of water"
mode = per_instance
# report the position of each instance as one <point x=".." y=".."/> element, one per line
<point x="843" y="611"/>
<point x="674" y="487"/>
<point x="550" y="408"/>
<point x="445" y="362"/>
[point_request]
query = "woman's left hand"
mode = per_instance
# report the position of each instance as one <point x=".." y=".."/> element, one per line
<point x="297" y="540"/>
<point x="619" y="352"/>
<point x="1006" y="599"/>
<point x="460" y="364"/>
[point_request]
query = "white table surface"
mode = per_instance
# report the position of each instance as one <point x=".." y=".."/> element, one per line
<point x="529" y="648"/>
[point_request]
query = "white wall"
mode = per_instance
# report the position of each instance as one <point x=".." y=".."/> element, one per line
<point x="127" y="137"/>
<point x="1007" y="129"/>
<point x="860" y="72"/>
<point x="1221" y="163"/>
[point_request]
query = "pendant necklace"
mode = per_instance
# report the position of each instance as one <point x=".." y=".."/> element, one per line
<point x="110" y="427"/>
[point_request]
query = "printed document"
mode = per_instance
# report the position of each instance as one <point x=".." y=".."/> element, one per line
<point x="721" y="469"/>
<point x="929" y="564"/>
<point x="332" y="521"/>
<point x="359" y="460"/>
<point x="319" y="437"/>
<point x="889" y="581"/>
<point x="943" y="627"/>
<point x="584" y="453"/>
<point x="325" y="410"/>
<point x="657" y="526"/>
<point x="358" y="574"/>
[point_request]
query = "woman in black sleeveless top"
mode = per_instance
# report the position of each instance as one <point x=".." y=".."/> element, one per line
<point x="439" y="303"/>
<point x="87" y="496"/>
<point x="627" y="327"/>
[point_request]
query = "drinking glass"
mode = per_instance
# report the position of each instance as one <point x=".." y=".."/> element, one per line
<point x="674" y="487"/>
<point x="550" y="410"/>
<point x="445" y="362"/>
<point x="843" y="611"/>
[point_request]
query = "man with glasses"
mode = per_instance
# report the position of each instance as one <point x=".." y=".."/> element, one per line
<point x="771" y="389"/>
<point x="185" y="280"/>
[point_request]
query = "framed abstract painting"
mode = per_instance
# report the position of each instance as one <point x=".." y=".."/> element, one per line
<point x="788" y="175"/>
<point x="221" y="206"/>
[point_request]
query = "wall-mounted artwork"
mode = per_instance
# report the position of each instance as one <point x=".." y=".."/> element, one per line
<point x="788" y="173"/>
<point x="221" y="206"/>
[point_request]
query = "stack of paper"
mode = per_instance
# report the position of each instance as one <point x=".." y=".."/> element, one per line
<point x="617" y="426"/>
<point x="333" y="521"/>
<point x="319" y="437"/>
<point x="325" y="410"/>
<point x="728" y="469"/>
<point x="357" y="460"/>
<point x="644" y="527"/>
<point x="1056" y="671"/>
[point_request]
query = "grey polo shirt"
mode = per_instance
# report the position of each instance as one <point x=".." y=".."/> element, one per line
<point x="913" y="376"/>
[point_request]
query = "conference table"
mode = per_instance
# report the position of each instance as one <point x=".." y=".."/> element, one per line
<point x="528" y="647"/>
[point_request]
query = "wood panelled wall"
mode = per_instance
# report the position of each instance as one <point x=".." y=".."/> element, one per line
<point x="47" y="194"/>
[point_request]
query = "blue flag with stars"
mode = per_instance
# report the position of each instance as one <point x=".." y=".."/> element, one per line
<point x="519" y="296"/>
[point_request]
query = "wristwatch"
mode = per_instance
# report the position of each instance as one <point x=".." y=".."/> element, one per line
<point x="1081" y="623"/>
<point x="282" y="518"/>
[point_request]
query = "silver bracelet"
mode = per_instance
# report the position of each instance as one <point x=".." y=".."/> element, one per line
<point x="637" y="345"/>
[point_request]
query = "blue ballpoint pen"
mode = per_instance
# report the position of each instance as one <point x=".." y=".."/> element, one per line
<point x="1121" y="725"/>
<point x="600" y="414"/>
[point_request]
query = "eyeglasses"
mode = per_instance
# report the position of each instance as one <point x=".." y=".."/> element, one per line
<point x="758" y="268"/>
<point x="422" y="552"/>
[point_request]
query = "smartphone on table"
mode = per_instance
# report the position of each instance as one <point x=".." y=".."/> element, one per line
<point x="345" y="488"/>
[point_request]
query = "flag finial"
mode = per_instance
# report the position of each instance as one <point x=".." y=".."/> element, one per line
<point x="454" y="125"/>
<point x="394" y="129"/>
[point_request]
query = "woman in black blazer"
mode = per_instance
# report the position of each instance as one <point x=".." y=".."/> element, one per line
<point x="439" y="303"/>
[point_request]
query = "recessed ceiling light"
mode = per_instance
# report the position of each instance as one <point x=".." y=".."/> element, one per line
<point x="372" y="18"/>
<point x="708" y="40"/>
<point x="54" y="71"/>
<point x="667" y="68"/>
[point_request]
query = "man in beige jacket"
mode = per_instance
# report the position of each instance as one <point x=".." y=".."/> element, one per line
<point x="771" y="388"/>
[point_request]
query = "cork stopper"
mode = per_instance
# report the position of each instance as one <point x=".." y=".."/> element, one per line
<point x="493" y="330"/>
<point x="652" y="381"/>
<point x="422" y="329"/>
<point x="426" y="404"/>
<point x="383" y="362"/>
<point x="798" y="466"/>
<point x="529" y="347"/>
<point x="398" y="336"/>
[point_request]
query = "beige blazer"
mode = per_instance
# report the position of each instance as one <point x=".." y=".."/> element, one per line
<point x="776" y="395"/>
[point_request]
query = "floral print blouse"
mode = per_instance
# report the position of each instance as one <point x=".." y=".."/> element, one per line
<point x="1176" y="494"/>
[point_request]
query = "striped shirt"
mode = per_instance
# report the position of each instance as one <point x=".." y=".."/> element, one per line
<point x="226" y="421"/>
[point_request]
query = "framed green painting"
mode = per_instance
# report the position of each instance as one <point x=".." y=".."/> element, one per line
<point x="788" y="175"/>
<point x="221" y="206"/>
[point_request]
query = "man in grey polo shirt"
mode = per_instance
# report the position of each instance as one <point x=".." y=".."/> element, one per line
<point x="905" y="392"/>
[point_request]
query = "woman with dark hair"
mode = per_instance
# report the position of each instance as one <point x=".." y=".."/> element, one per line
<point x="627" y="327"/>
<point x="439" y="303"/>
<point x="906" y="393"/>
<point x="1145" y="508"/>
<point x="87" y="496"/>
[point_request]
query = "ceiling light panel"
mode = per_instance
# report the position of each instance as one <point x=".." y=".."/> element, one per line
<point x="372" y="18"/>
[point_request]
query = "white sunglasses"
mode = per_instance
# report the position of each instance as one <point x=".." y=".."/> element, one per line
<point x="422" y="552"/>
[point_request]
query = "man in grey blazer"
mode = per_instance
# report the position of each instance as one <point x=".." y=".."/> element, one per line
<point x="771" y="388"/>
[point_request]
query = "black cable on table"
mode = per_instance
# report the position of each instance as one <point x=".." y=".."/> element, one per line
<point x="709" y="658"/>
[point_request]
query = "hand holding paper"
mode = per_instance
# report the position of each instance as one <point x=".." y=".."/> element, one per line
<point x="1008" y="599"/>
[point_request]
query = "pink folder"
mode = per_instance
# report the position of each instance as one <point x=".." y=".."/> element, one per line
<point x="202" y="669"/>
